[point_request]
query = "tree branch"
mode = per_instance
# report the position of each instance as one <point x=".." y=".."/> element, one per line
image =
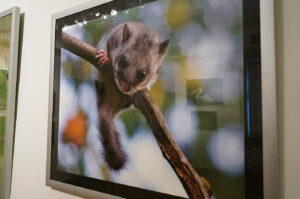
<point x="79" y="48"/>
<point x="195" y="186"/>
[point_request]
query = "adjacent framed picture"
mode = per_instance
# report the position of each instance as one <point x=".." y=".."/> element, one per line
<point x="137" y="89"/>
<point x="9" y="41"/>
<point x="205" y="91"/>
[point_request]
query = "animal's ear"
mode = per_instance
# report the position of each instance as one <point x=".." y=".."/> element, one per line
<point x="126" y="33"/>
<point x="163" y="47"/>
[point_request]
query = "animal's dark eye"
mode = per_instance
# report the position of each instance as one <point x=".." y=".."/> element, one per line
<point x="140" y="75"/>
<point x="123" y="63"/>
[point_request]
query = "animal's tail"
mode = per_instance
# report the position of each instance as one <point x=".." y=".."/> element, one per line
<point x="114" y="154"/>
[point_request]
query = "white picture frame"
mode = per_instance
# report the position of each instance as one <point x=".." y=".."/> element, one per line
<point x="11" y="100"/>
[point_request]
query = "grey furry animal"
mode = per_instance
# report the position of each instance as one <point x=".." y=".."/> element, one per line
<point x="131" y="53"/>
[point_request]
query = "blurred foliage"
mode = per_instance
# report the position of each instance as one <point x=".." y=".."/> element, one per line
<point x="3" y="87"/>
<point x="95" y="30"/>
<point x="5" y="35"/>
<point x="130" y="123"/>
<point x="79" y="71"/>
<point x="179" y="13"/>
<point x="2" y="134"/>
<point x="105" y="172"/>
<point x="237" y="27"/>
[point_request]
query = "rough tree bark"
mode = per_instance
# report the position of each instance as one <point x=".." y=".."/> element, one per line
<point x="195" y="186"/>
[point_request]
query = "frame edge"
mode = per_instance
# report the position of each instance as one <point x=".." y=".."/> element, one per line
<point x="270" y="132"/>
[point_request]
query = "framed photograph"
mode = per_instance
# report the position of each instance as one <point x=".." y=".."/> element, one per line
<point x="9" y="40"/>
<point x="127" y="80"/>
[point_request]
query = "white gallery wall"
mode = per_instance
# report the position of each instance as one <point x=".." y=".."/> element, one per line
<point x="29" y="170"/>
<point x="288" y="81"/>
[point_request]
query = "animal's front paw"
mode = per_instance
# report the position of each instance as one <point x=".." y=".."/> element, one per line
<point x="103" y="58"/>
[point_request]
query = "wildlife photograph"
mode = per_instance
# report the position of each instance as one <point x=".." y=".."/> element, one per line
<point x="5" y="34"/>
<point x="186" y="58"/>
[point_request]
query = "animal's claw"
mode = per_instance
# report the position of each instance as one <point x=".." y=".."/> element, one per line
<point x="103" y="58"/>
